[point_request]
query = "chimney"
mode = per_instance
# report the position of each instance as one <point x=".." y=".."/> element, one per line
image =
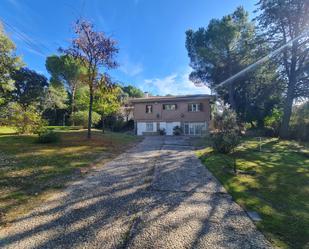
<point x="146" y="94"/>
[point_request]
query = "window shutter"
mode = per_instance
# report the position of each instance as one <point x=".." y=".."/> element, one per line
<point x="163" y="106"/>
<point x="201" y="106"/>
<point x="189" y="109"/>
<point x="175" y="106"/>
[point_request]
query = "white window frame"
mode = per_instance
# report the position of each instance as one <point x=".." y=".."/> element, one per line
<point x="149" y="127"/>
<point x="169" y="107"/>
<point x="195" y="128"/>
<point x="148" y="110"/>
<point x="194" y="107"/>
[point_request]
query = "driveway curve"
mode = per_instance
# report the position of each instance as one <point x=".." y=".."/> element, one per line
<point x="156" y="195"/>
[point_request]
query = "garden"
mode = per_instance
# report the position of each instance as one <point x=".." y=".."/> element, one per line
<point x="266" y="175"/>
<point x="31" y="171"/>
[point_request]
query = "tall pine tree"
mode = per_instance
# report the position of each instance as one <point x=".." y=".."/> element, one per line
<point x="283" y="21"/>
<point x="220" y="51"/>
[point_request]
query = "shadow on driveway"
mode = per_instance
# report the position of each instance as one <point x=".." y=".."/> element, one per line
<point x="157" y="195"/>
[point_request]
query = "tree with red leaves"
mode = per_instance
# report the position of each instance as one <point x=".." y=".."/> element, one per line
<point x="97" y="52"/>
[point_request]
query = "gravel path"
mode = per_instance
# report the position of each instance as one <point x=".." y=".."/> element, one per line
<point x="157" y="195"/>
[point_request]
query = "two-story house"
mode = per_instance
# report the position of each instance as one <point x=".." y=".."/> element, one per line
<point x="190" y="112"/>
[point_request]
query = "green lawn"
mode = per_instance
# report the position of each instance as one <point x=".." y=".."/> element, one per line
<point x="279" y="191"/>
<point x="30" y="172"/>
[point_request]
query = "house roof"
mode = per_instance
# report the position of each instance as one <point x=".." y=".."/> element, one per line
<point x="171" y="98"/>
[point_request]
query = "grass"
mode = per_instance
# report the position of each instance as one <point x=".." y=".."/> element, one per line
<point x="6" y="130"/>
<point x="30" y="172"/>
<point x="279" y="191"/>
<point x="65" y="128"/>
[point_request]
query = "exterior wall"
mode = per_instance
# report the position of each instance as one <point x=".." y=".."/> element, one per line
<point x="190" y="122"/>
<point x="141" y="128"/>
<point x="181" y="114"/>
<point x="188" y="128"/>
<point x="169" y="126"/>
<point x="195" y="128"/>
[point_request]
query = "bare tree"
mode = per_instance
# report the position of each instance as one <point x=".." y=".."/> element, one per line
<point x="96" y="51"/>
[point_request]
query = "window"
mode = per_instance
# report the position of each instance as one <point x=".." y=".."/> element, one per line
<point x="148" y="108"/>
<point x="198" y="128"/>
<point x="195" y="107"/>
<point x="169" y="107"/>
<point x="149" y="127"/>
<point x="186" y="128"/>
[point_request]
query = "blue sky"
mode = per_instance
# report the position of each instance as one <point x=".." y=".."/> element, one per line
<point x="150" y="34"/>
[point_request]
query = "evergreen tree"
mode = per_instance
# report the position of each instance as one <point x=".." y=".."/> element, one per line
<point x="9" y="62"/>
<point x="283" y="21"/>
<point x="223" y="49"/>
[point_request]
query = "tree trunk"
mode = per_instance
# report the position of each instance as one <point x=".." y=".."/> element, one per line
<point x="234" y="165"/>
<point x="231" y="85"/>
<point x="103" y="127"/>
<point x="73" y="106"/>
<point x="287" y="110"/>
<point x="260" y="123"/>
<point x="56" y="123"/>
<point x="90" y="113"/>
<point x="231" y="96"/>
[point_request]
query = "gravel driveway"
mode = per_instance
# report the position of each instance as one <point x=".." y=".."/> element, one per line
<point x="157" y="195"/>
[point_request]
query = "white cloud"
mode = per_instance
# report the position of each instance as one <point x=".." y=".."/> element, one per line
<point x="175" y="84"/>
<point x="130" y="68"/>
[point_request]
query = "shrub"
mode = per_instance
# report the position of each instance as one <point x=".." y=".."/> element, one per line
<point x="270" y="132"/>
<point x="162" y="132"/>
<point x="225" y="121"/>
<point x="262" y="132"/>
<point x="226" y="135"/>
<point x="299" y="124"/>
<point x="272" y="122"/>
<point x="26" y="119"/>
<point x="81" y="118"/>
<point x="117" y="125"/>
<point x="255" y="132"/>
<point x="225" y="142"/>
<point x="129" y="125"/>
<point x="177" y="130"/>
<point x="48" y="136"/>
